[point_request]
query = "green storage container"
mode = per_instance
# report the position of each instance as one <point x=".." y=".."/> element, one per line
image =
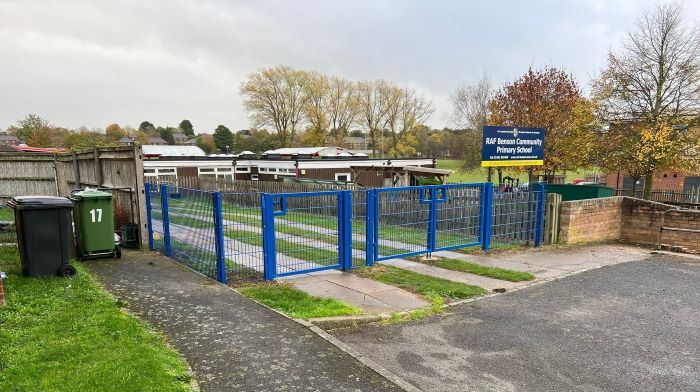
<point x="94" y="224"/>
<point x="579" y="192"/>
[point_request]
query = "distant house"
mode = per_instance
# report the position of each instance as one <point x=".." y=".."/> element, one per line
<point x="125" y="141"/>
<point x="8" y="140"/>
<point x="183" y="140"/>
<point x="157" y="141"/>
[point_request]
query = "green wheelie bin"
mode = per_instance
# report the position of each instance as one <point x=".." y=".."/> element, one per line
<point x="94" y="224"/>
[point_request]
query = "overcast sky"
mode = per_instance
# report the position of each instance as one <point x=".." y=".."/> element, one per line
<point x="92" y="63"/>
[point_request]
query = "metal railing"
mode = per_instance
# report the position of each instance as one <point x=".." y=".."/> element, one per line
<point x="241" y="236"/>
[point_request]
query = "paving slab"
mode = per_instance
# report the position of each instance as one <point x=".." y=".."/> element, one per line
<point x="552" y="262"/>
<point x="367" y="294"/>
<point x="231" y="342"/>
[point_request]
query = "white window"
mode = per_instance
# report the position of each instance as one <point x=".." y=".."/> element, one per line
<point x="223" y="169"/>
<point x="272" y="170"/>
<point x="147" y="171"/>
<point x="206" y="170"/>
<point x="160" y="171"/>
<point x="254" y="177"/>
<point x="345" y="177"/>
<point x="244" y="169"/>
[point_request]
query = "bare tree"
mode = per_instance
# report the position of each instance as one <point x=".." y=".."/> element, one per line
<point x="470" y="112"/>
<point x="470" y="103"/>
<point x="343" y="106"/>
<point x="654" y="81"/>
<point x="275" y="96"/>
<point x="372" y="107"/>
<point x="317" y="106"/>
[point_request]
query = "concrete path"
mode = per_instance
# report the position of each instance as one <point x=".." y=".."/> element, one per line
<point x="367" y="294"/>
<point x="552" y="262"/>
<point x="624" y="327"/>
<point x="231" y="342"/>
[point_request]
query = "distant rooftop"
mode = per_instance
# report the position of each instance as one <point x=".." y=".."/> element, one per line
<point x="312" y="151"/>
<point x="172" y="151"/>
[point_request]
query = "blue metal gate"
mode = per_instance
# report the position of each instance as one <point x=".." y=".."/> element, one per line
<point x="417" y="220"/>
<point x="306" y="232"/>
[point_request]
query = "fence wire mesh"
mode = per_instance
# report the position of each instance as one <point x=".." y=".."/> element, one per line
<point x="403" y="221"/>
<point x="307" y="231"/>
<point x="191" y="220"/>
<point x="458" y="215"/>
<point x="514" y="215"/>
<point x="242" y="227"/>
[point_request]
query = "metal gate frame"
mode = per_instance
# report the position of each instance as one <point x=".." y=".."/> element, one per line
<point x="274" y="205"/>
<point x="438" y="194"/>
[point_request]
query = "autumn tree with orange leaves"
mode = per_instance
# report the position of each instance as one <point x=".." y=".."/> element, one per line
<point x="551" y="99"/>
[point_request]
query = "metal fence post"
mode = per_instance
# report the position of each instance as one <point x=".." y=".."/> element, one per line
<point x="345" y="240"/>
<point x="166" y="220"/>
<point x="370" y="217"/>
<point x="488" y="216"/>
<point x="540" y="215"/>
<point x="149" y="221"/>
<point x="219" y="237"/>
<point x="432" y="219"/>
<point x="269" y="252"/>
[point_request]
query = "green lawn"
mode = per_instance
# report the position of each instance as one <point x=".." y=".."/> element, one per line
<point x="421" y="284"/>
<point x="479" y="174"/>
<point x="7" y="214"/>
<point x="296" y="303"/>
<point x="478" y="269"/>
<point x="60" y="334"/>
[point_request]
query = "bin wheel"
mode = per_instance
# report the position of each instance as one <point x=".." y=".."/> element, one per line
<point x="117" y="252"/>
<point x="66" y="270"/>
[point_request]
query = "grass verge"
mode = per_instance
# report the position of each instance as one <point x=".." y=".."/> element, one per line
<point x="425" y="285"/>
<point x="473" y="250"/>
<point x="297" y="303"/>
<point x="478" y="269"/>
<point x="70" y="335"/>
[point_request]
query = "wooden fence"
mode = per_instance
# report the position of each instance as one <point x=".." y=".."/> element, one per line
<point x="119" y="169"/>
<point x="691" y="196"/>
<point x="27" y="174"/>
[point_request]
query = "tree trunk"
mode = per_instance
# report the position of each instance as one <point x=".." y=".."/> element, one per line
<point x="648" y="184"/>
<point x="500" y="176"/>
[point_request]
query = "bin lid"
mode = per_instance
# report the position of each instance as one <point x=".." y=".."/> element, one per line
<point x="90" y="194"/>
<point x="39" y="202"/>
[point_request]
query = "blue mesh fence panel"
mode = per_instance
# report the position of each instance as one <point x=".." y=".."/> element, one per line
<point x="514" y="215"/>
<point x="243" y="246"/>
<point x="156" y="219"/>
<point x="191" y="216"/>
<point x="458" y="214"/>
<point x="402" y="221"/>
<point x="307" y="231"/>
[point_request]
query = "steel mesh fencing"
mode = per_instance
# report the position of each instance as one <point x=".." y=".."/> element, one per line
<point x="515" y="215"/>
<point x="155" y="216"/>
<point x="191" y="228"/>
<point x="242" y="235"/>
<point x="403" y="220"/>
<point x="306" y="231"/>
<point x="458" y="215"/>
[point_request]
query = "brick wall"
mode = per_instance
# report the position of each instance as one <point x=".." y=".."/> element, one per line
<point x="642" y="221"/>
<point x="627" y="219"/>
<point x="590" y="220"/>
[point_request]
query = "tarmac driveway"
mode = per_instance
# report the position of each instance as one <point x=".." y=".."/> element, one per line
<point x="631" y="326"/>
